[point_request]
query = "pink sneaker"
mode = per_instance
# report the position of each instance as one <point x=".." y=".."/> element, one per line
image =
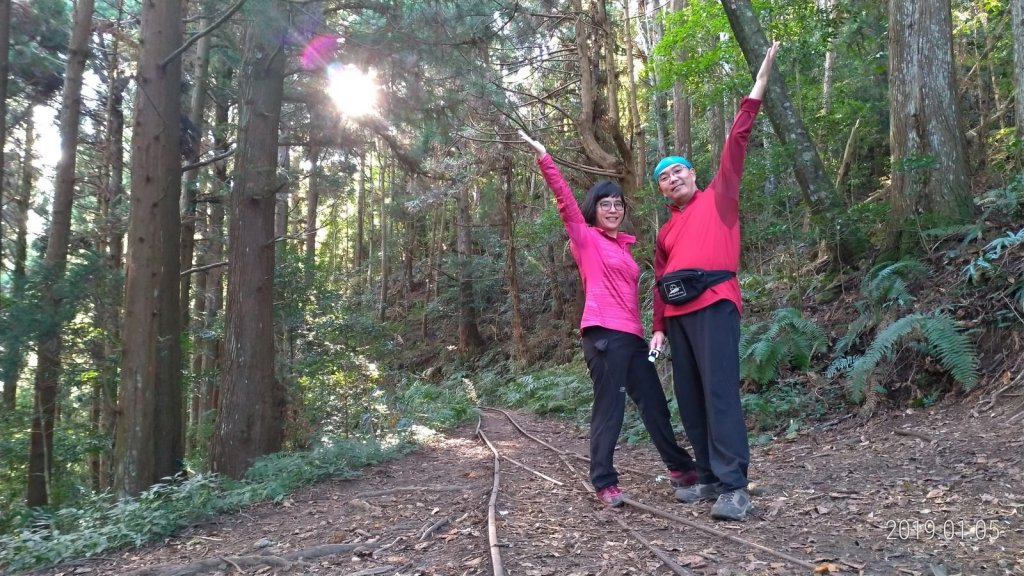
<point x="680" y="479"/>
<point x="610" y="496"/>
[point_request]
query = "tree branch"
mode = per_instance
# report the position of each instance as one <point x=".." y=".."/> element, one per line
<point x="208" y="161"/>
<point x="195" y="38"/>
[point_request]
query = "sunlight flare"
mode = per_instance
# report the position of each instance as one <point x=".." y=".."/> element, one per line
<point x="353" y="91"/>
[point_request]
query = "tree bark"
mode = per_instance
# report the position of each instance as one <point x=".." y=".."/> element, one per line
<point x="519" y="347"/>
<point x="929" y="165"/>
<point x="828" y="70"/>
<point x="598" y="120"/>
<point x="13" y="360"/>
<point x="681" y="108"/>
<point x="1017" y="14"/>
<point x="190" y="187"/>
<point x="636" y="124"/>
<point x="48" y="365"/>
<point x="108" y="309"/>
<point x="360" y="217"/>
<point x="807" y="166"/>
<point x="212" y="347"/>
<point x="250" y="421"/>
<point x="385" y="223"/>
<point x="150" y="432"/>
<point x="5" y="45"/>
<point x="312" y="204"/>
<point x="470" y="341"/>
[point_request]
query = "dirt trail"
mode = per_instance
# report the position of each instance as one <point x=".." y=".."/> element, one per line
<point x="931" y="492"/>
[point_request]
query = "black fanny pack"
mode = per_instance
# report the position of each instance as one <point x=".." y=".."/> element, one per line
<point x="681" y="286"/>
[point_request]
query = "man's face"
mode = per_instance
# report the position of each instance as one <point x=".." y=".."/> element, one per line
<point x="677" y="183"/>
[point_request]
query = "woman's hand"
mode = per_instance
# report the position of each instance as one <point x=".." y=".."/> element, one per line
<point x="538" y="148"/>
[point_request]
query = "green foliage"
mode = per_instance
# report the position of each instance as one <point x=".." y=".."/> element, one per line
<point x="562" y="390"/>
<point x="787" y="404"/>
<point x="938" y="336"/>
<point x="788" y="339"/>
<point x="886" y="288"/>
<point x="100" y="524"/>
<point x="437" y="406"/>
<point x="887" y="282"/>
<point x="986" y="265"/>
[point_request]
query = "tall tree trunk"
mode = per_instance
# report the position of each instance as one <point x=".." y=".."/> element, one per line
<point x="284" y="163"/>
<point x="5" y="45"/>
<point x="519" y="347"/>
<point x="108" y="309"/>
<point x="470" y="341"/>
<point x="1017" y="14"/>
<point x="312" y="204"/>
<point x="385" y="222"/>
<point x="636" y="124"/>
<point x="598" y="120"/>
<point x="681" y="109"/>
<point x="150" y="432"/>
<point x="212" y="347"/>
<point x="716" y="133"/>
<point x="190" y="187"/>
<point x="48" y="366"/>
<point x="930" y="171"/>
<point x="13" y="359"/>
<point x="807" y="166"/>
<point x="828" y="72"/>
<point x="360" y="217"/>
<point x="250" y="421"/>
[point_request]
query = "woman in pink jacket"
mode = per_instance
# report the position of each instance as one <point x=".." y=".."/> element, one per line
<point x="613" y="336"/>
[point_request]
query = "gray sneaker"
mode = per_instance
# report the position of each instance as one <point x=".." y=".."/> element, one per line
<point x="699" y="492"/>
<point x="732" y="505"/>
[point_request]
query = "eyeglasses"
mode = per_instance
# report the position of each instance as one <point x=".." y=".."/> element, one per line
<point x="672" y="171"/>
<point x="611" y="205"/>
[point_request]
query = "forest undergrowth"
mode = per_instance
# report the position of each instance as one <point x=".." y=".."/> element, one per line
<point x="816" y="345"/>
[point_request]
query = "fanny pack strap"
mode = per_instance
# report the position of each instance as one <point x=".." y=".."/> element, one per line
<point x="717" y="276"/>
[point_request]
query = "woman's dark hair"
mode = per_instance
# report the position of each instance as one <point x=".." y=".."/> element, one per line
<point x="600" y="191"/>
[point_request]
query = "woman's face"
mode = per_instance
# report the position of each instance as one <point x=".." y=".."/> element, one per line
<point x="610" y="212"/>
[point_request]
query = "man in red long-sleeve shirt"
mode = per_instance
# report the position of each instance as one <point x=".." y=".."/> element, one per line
<point x="703" y="231"/>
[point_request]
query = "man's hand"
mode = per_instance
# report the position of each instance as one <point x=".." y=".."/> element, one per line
<point x="538" y="148"/>
<point x="657" y="341"/>
<point x="764" y="73"/>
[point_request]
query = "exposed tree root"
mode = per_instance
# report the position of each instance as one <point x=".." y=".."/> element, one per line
<point x="492" y="528"/>
<point x="709" y="530"/>
<point x="657" y="551"/>
<point x="914" y="434"/>
<point x="284" y="562"/>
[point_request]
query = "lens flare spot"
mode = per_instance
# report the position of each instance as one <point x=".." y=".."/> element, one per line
<point x="353" y="91"/>
<point x="319" y="51"/>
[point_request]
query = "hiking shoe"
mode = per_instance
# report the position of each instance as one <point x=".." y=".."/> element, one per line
<point x="680" y="479"/>
<point x="699" y="492"/>
<point x="610" y="496"/>
<point x="732" y="505"/>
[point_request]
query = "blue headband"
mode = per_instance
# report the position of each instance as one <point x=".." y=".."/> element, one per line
<point x="668" y="161"/>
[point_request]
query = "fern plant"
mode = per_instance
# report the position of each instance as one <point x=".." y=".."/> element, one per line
<point x="787" y="339"/>
<point x="887" y="289"/>
<point x="937" y="335"/>
<point x="985" y="264"/>
<point x="887" y="282"/>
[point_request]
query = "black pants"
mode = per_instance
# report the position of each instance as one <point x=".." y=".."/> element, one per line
<point x="618" y="366"/>
<point x="706" y="373"/>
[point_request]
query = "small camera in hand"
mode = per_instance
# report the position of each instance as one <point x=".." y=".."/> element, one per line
<point x="653" y="354"/>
